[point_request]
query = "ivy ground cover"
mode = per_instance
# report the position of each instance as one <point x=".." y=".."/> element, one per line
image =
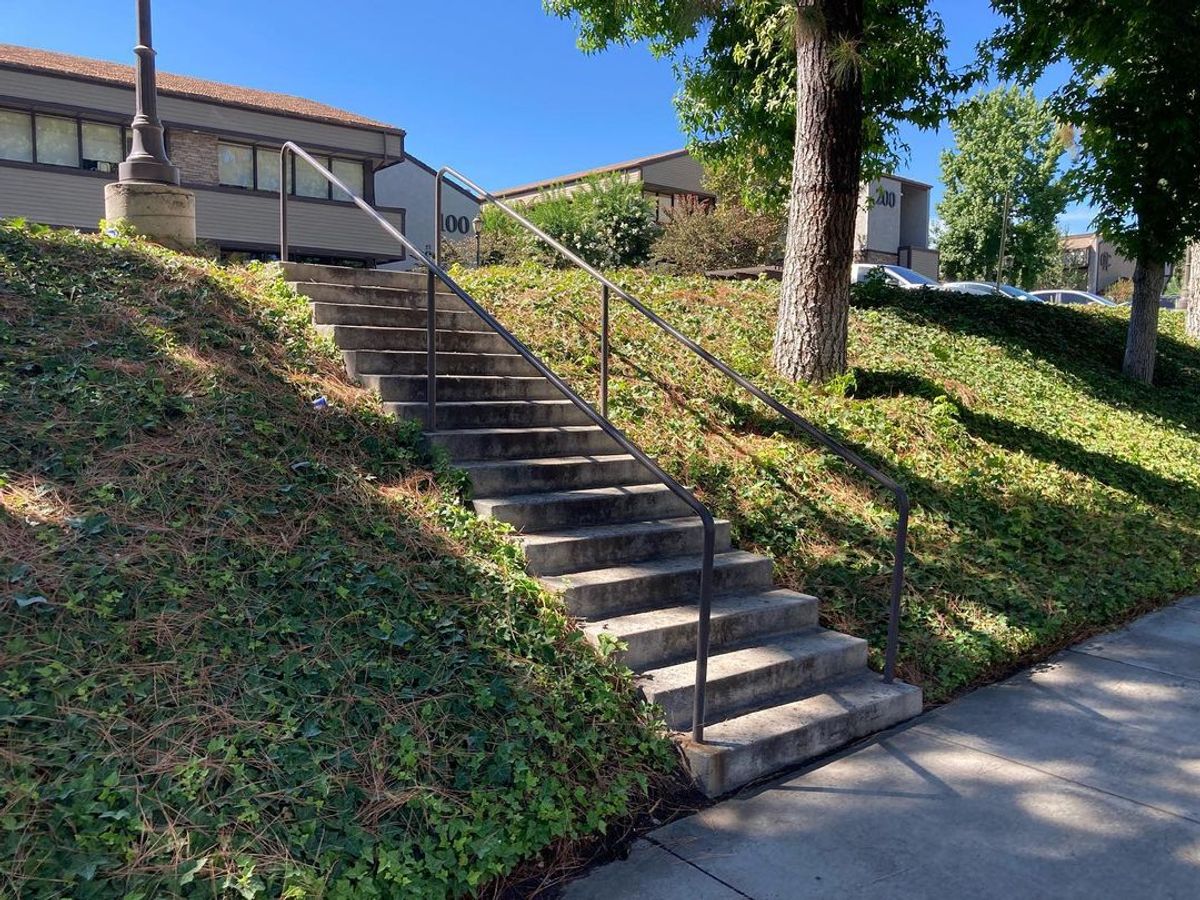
<point x="1051" y="496"/>
<point x="253" y="645"/>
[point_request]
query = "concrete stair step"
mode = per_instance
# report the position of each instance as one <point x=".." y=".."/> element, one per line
<point x="494" y="413"/>
<point x="378" y="296"/>
<point x="354" y="277"/>
<point x="745" y="748"/>
<point x="412" y="362"/>
<point x="594" y="546"/>
<point x="366" y="337"/>
<point x="588" y="506"/>
<point x="394" y="317"/>
<point x="662" y="637"/>
<point x="599" y="593"/>
<point x="522" y="476"/>
<point x="461" y="388"/>
<point x="749" y="678"/>
<point x="481" y="444"/>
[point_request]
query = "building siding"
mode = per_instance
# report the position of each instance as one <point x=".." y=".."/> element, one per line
<point x="72" y="199"/>
<point x="682" y="175"/>
<point x="74" y="93"/>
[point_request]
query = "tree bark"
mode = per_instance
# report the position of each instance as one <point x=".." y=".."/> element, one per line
<point x="814" y="300"/>
<point x="1142" y="342"/>
<point x="1191" y="289"/>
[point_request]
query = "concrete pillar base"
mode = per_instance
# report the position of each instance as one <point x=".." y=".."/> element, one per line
<point x="164" y="213"/>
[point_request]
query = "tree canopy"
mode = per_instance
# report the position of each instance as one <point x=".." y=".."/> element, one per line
<point x="1133" y="96"/>
<point x="1005" y="140"/>
<point x="738" y="96"/>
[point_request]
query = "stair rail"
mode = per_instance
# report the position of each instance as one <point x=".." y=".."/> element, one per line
<point x="816" y="434"/>
<point x="436" y="273"/>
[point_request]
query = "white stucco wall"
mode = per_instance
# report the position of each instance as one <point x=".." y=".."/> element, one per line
<point x="410" y="184"/>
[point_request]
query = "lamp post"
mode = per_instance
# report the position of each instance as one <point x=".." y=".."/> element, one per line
<point x="478" y="226"/>
<point x="148" y="158"/>
<point x="147" y="194"/>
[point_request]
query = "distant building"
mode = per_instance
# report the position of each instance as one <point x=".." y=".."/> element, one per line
<point x="895" y="228"/>
<point x="64" y="127"/>
<point x="668" y="178"/>
<point x="893" y="225"/>
<point x="1094" y="263"/>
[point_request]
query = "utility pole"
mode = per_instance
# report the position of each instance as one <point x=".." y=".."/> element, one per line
<point x="147" y="194"/>
<point x="1003" y="238"/>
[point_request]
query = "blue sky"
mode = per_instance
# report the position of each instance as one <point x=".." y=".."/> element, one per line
<point x="500" y="92"/>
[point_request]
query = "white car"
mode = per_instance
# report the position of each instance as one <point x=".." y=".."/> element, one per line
<point x="979" y="288"/>
<point x="1020" y="294"/>
<point x="897" y="276"/>
<point x="987" y="289"/>
<point x="1074" y="298"/>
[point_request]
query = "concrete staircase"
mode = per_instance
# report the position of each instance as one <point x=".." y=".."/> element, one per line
<point x="621" y="548"/>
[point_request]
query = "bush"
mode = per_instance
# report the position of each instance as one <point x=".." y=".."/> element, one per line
<point x="1120" y="291"/>
<point x="698" y="238"/>
<point x="607" y="221"/>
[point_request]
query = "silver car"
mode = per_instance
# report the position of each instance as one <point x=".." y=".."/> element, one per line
<point x="1074" y="298"/>
<point x="897" y="276"/>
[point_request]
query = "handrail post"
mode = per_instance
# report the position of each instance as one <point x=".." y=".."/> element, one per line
<point x="604" y="350"/>
<point x="893" y="638"/>
<point x="437" y="216"/>
<point x="431" y="355"/>
<point x="703" y="629"/>
<point x="283" y="205"/>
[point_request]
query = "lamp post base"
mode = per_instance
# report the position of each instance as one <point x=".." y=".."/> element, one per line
<point x="162" y="212"/>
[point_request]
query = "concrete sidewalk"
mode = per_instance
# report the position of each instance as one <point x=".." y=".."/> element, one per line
<point x="1077" y="778"/>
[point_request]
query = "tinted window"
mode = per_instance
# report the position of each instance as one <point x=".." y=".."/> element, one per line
<point x="57" y="141"/>
<point x="16" y="136"/>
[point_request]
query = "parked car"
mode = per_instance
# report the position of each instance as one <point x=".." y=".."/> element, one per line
<point x="1020" y="294"/>
<point x="1074" y="298"/>
<point x="1170" y="301"/>
<point x="897" y="276"/>
<point x="979" y="288"/>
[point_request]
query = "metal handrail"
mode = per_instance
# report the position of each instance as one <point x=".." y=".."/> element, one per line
<point x="815" y="433"/>
<point x="436" y="271"/>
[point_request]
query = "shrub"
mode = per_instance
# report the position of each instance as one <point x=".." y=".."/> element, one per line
<point x="699" y="238"/>
<point x="607" y="221"/>
<point x="1120" y="290"/>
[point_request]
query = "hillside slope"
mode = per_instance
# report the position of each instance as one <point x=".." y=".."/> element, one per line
<point x="1051" y="496"/>
<point x="253" y="646"/>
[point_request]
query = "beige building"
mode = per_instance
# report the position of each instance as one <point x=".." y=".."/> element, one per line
<point x="666" y="177"/>
<point x="64" y="128"/>
<point x="893" y="225"/>
<point x="1095" y="262"/>
<point x="894" y="228"/>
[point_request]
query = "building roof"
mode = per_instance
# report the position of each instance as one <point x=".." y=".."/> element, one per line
<point x="627" y="166"/>
<point x="98" y="70"/>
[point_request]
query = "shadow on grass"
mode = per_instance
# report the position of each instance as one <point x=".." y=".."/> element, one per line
<point x="1088" y="347"/>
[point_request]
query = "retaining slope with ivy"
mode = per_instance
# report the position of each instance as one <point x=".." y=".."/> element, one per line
<point x="250" y="646"/>
<point x="1052" y="497"/>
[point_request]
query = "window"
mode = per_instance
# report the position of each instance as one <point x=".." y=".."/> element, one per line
<point x="102" y="146"/>
<point x="310" y="182"/>
<point x="16" y="136"/>
<point x="235" y="165"/>
<point x="57" y="141"/>
<point x="266" y="162"/>
<point x="350" y="171"/>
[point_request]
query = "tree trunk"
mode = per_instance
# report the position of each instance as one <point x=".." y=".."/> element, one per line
<point x="1191" y="289"/>
<point x="814" y="300"/>
<point x="1142" y="342"/>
